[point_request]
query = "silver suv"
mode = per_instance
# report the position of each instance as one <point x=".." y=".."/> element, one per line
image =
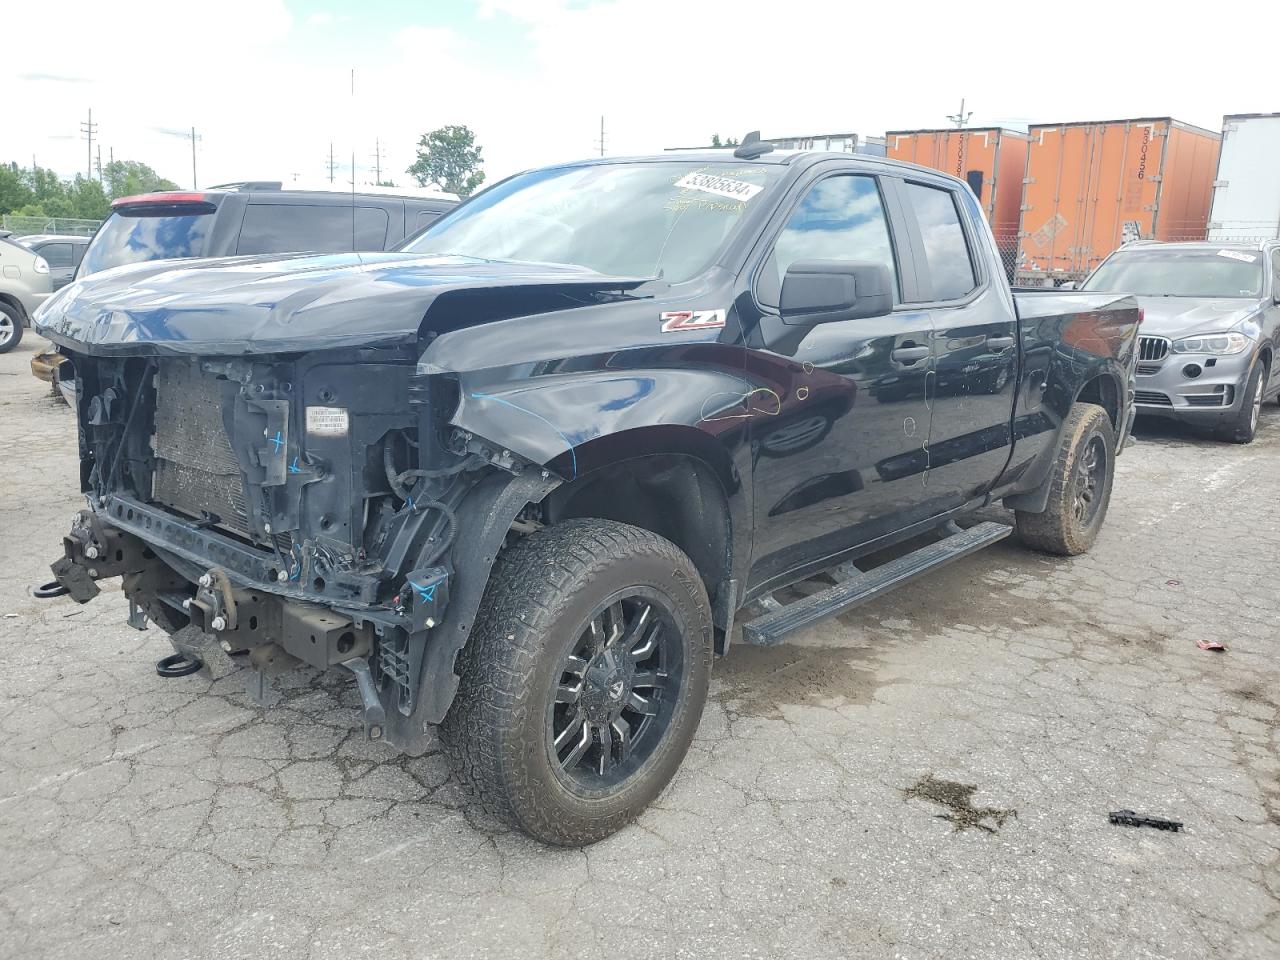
<point x="24" y="285"/>
<point x="1211" y="331"/>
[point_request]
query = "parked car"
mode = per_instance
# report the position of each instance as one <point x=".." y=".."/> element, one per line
<point x="522" y="478"/>
<point x="62" y="253"/>
<point x="1211" y="330"/>
<point x="24" y="285"/>
<point x="252" y="217"/>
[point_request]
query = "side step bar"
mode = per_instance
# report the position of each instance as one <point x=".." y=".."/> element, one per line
<point x="774" y="626"/>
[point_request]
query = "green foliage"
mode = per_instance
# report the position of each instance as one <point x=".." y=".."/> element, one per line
<point x="14" y="192"/>
<point x="449" y="159"/>
<point x="39" y="192"/>
<point x="124" y="178"/>
<point x="717" y="142"/>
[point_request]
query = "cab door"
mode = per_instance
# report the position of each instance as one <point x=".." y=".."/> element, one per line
<point x="975" y="334"/>
<point x="839" y="435"/>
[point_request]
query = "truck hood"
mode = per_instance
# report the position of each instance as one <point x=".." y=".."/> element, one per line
<point x="1175" y="317"/>
<point x="274" y="304"/>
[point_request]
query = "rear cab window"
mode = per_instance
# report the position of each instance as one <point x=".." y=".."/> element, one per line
<point x="946" y="248"/>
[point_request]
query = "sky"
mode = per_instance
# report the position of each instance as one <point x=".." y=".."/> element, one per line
<point x="268" y="84"/>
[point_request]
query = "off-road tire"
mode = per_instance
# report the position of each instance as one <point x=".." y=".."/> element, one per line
<point x="1242" y="426"/>
<point x="10" y="327"/>
<point x="1057" y="530"/>
<point x="541" y="592"/>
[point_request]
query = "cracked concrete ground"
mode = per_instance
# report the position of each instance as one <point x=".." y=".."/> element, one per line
<point x="142" y="817"/>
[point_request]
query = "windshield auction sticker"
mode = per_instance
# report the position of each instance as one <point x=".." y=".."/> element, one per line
<point x="720" y="186"/>
<point x="1238" y="255"/>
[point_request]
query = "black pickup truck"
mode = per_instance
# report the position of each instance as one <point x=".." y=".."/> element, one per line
<point x="525" y="478"/>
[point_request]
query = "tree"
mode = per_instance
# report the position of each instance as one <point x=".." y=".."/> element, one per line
<point x="125" y="178"/>
<point x="449" y="159"/>
<point x="717" y="142"/>
<point x="14" y="192"/>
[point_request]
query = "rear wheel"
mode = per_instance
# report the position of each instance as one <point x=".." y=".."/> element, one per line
<point x="1242" y="426"/>
<point x="10" y="327"/>
<point x="584" y="679"/>
<point x="1080" y="486"/>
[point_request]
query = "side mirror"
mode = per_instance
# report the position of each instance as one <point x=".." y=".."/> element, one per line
<point x="1067" y="285"/>
<point x="825" y="291"/>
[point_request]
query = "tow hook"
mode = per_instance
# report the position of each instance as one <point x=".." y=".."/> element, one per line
<point x="178" y="665"/>
<point x="375" y="717"/>
<point x="47" y="591"/>
<point x="213" y="608"/>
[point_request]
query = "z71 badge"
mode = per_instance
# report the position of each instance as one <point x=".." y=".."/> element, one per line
<point x="678" y="321"/>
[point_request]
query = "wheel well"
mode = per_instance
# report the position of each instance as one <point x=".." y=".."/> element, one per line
<point x="673" y="495"/>
<point x="1266" y="359"/>
<point x="15" y="303"/>
<point x="1103" y="391"/>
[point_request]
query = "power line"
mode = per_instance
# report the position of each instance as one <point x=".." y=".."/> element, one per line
<point x="87" y="129"/>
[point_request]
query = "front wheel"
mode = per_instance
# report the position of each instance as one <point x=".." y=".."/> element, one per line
<point x="1080" y="486"/>
<point x="1242" y="426"/>
<point x="583" y="681"/>
<point x="10" y="327"/>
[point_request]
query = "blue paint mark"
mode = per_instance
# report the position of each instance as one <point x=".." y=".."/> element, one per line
<point x="293" y="467"/>
<point x="515" y="406"/>
<point x="408" y="502"/>
<point x="425" y="594"/>
<point x="278" y="440"/>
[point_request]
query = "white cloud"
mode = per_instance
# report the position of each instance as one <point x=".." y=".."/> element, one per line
<point x="532" y="77"/>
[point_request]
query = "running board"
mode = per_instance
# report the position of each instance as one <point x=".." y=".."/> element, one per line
<point x="775" y="626"/>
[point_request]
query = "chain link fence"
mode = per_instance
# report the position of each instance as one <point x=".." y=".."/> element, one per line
<point x="65" y="226"/>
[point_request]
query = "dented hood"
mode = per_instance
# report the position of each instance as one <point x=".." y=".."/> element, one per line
<point x="274" y="304"/>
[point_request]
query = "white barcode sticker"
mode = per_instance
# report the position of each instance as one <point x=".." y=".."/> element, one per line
<point x="1239" y="255"/>
<point x="327" y="421"/>
<point x="720" y="186"/>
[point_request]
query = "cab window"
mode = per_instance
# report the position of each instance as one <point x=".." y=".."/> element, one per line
<point x="945" y="247"/>
<point x="839" y="218"/>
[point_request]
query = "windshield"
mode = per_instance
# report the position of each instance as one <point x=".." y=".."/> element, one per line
<point x="131" y="239"/>
<point x="1181" y="273"/>
<point x="626" y="219"/>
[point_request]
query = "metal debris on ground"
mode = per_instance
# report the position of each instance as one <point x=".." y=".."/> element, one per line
<point x="1127" y="818"/>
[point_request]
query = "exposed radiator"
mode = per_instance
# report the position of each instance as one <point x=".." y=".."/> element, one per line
<point x="196" y="470"/>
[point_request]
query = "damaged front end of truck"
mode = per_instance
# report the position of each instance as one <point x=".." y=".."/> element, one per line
<point x="275" y="475"/>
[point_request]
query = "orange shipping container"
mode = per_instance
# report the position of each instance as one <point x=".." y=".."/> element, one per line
<point x="991" y="159"/>
<point x="1093" y="186"/>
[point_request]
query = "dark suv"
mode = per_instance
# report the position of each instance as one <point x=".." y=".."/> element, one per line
<point x="254" y="217"/>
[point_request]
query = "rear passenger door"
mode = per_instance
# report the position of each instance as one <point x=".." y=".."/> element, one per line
<point x="62" y="261"/>
<point x="975" y="342"/>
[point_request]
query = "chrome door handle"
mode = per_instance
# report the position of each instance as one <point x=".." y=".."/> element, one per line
<point x="1000" y="343"/>
<point x="910" y="354"/>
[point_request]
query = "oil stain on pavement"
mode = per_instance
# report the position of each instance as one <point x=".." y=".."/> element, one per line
<point x="958" y="799"/>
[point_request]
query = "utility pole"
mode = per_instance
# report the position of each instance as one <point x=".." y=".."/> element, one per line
<point x="600" y="142"/>
<point x="194" y="138"/>
<point x="98" y="162"/>
<point x="332" y="166"/>
<point x="377" y="161"/>
<point x="87" y="130"/>
<point x="961" y="119"/>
